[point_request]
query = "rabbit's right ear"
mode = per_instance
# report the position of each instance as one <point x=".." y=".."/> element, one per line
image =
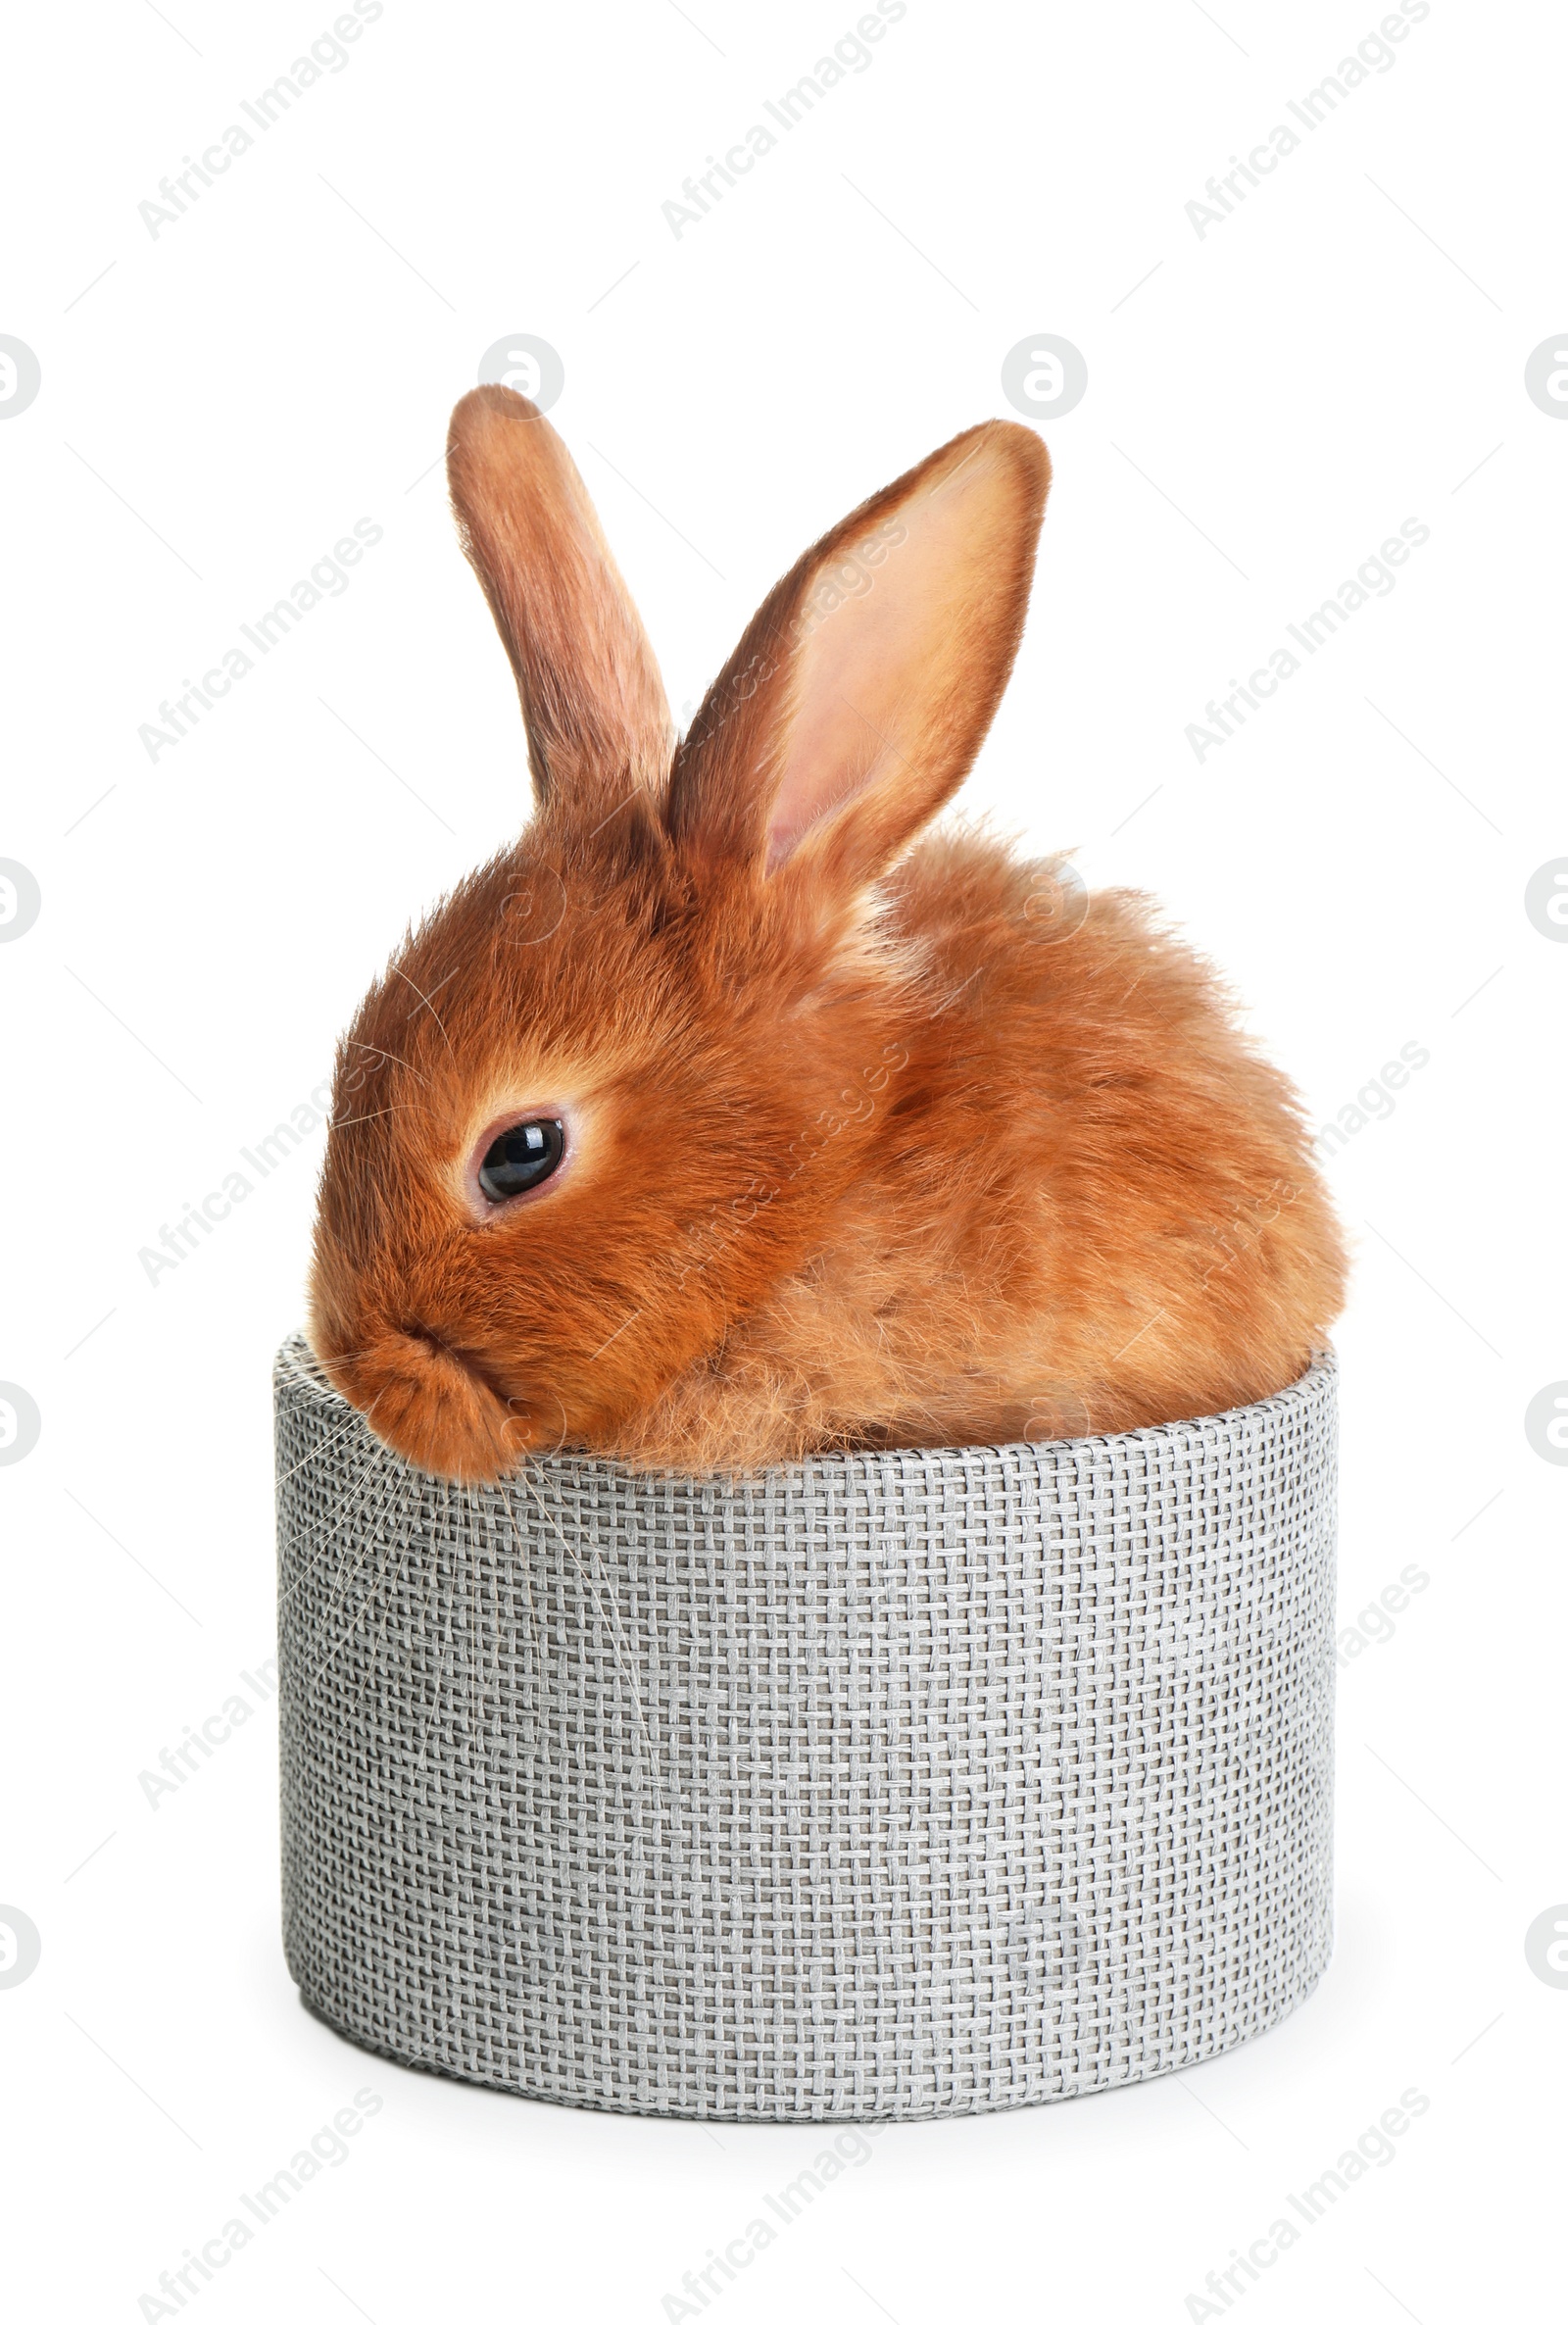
<point x="852" y="708"/>
<point x="599" y="726"/>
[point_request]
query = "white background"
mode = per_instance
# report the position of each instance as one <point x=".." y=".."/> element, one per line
<point x="1268" y="404"/>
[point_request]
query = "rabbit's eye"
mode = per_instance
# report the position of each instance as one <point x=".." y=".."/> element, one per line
<point x="520" y="1157"/>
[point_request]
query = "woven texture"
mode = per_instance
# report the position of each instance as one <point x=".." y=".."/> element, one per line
<point x="884" y="1785"/>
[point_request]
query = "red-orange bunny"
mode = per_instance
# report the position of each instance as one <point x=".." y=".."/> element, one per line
<point x="717" y="1121"/>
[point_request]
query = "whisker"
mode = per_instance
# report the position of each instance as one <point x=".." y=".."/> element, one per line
<point x="534" y="1619"/>
<point x="360" y="1470"/>
<point x="346" y="1121"/>
<point x="317" y="1449"/>
<point x="360" y="1476"/>
<point x="622" y="1654"/>
<point x="312" y="1376"/>
<point x="391" y="1060"/>
<point x="429" y="1003"/>
<point x="394" y="1577"/>
<point x="341" y="1597"/>
<point x="349" y="1495"/>
<point x="447" y="1662"/>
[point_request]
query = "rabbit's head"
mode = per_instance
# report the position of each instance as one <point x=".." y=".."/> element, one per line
<point x="608" y="1095"/>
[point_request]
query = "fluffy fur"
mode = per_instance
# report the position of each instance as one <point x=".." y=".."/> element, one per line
<point x="871" y="1142"/>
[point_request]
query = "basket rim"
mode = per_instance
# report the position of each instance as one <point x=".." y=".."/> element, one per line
<point x="296" y="1367"/>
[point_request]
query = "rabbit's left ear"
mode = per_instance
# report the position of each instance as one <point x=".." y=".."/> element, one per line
<point x="854" y="703"/>
<point x="599" y="726"/>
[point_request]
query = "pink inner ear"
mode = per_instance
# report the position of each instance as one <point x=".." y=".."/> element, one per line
<point x="838" y="739"/>
<point x="883" y="638"/>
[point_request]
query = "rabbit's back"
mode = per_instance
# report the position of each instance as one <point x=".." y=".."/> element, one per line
<point x="1110" y="1156"/>
<point x="1088" y="1204"/>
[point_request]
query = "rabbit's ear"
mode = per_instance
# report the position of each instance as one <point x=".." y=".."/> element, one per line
<point x="599" y="726"/>
<point x="852" y="707"/>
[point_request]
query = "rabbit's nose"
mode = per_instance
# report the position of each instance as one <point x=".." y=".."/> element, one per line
<point x="433" y="1405"/>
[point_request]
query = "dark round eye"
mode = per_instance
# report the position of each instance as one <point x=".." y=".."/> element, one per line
<point x="522" y="1158"/>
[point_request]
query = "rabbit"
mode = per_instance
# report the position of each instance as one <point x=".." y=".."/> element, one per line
<point x="725" y="1118"/>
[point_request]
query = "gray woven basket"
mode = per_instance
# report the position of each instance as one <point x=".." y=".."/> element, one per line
<point x="902" y="1784"/>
